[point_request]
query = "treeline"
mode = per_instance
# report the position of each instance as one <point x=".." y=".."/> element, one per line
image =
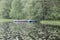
<point x="30" y="9"/>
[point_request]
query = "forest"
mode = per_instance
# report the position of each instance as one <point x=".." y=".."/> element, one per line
<point x="30" y="9"/>
<point x="46" y="12"/>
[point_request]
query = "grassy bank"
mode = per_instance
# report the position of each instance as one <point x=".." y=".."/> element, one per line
<point x="6" y="20"/>
<point x="50" y="22"/>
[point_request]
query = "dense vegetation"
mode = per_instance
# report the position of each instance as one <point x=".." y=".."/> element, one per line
<point x="30" y="9"/>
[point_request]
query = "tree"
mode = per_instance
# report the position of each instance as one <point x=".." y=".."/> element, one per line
<point x="53" y="10"/>
<point x="5" y="6"/>
<point x="16" y="11"/>
<point x="56" y="8"/>
<point x="33" y="9"/>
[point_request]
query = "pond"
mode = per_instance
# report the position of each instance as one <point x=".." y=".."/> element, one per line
<point x="28" y="31"/>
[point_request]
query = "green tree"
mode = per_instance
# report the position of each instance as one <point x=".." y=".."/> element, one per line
<point x="16" y="10"/>
<point x="53" y="10"/>
<point x="33" y="9"/>
<point x="5" y="6"/>
<point x="46" y="9"/>
<point x="56" y="8"/>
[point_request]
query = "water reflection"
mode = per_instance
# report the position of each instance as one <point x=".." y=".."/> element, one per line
<point x="27" y="31"/>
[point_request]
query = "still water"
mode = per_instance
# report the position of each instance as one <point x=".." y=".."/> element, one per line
<point x="28" y="31"/>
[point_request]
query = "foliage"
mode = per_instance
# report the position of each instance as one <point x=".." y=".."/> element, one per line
<point x="30" y="9"/>
<point x="33" y="9"/>
<point x="5" y="6"/>
<point x="16" y="10"/>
